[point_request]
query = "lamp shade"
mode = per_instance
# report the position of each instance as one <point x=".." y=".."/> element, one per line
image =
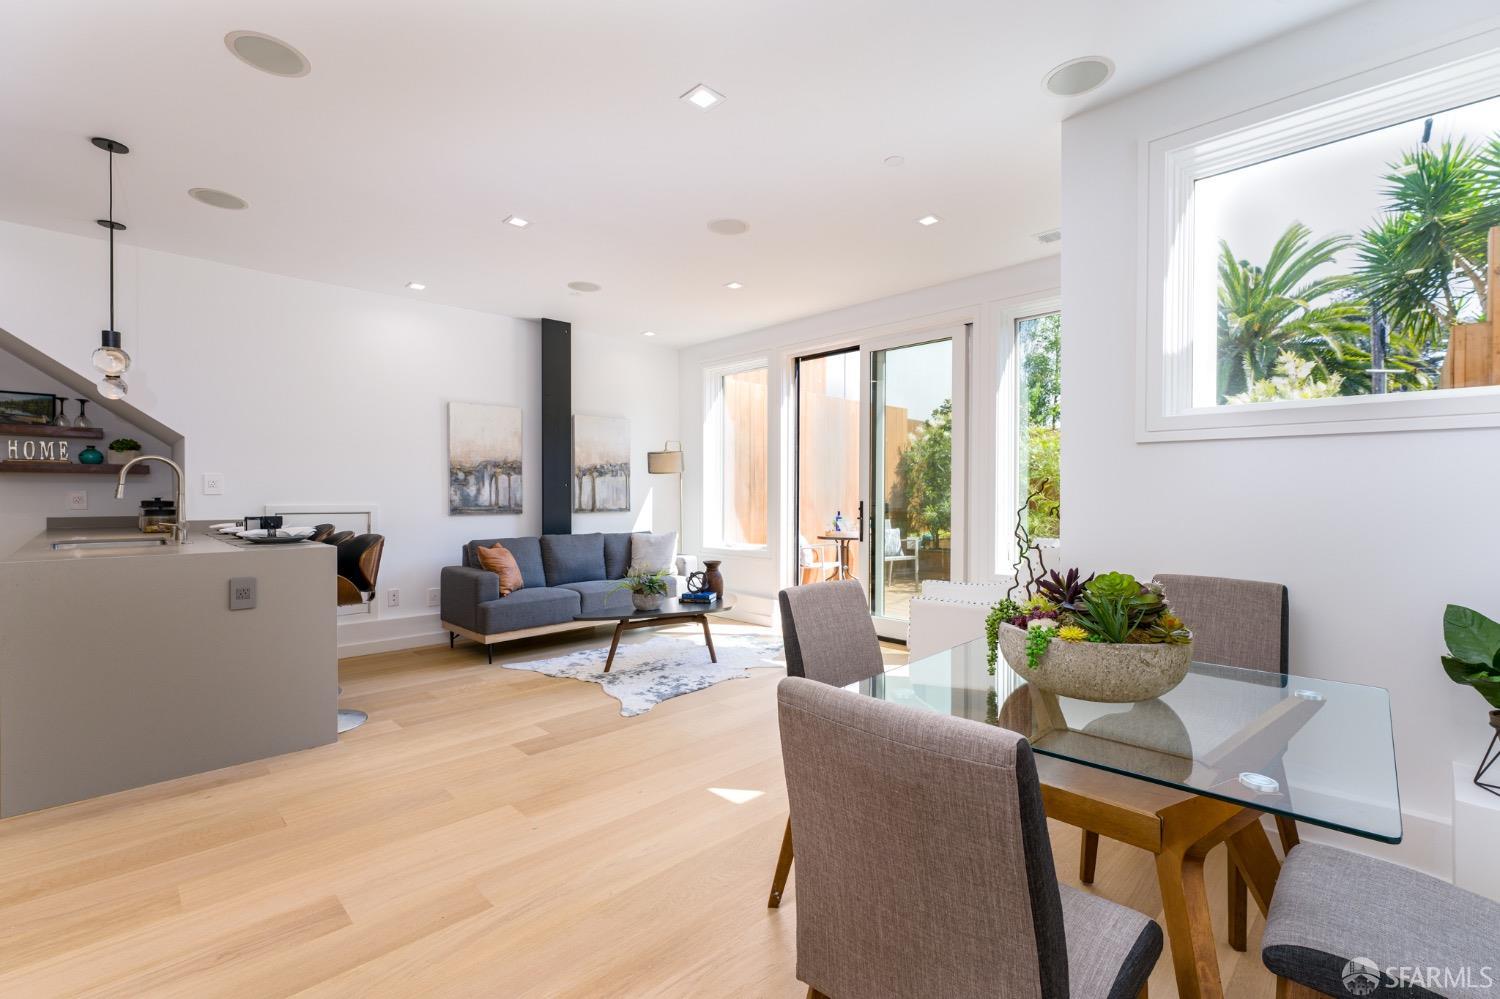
<point x="664" y="462"/>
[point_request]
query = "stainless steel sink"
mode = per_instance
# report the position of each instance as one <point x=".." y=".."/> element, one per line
<point x="110" y="543"/>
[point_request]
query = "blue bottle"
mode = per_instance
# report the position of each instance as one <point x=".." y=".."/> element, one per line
<point x="838" y="522"/>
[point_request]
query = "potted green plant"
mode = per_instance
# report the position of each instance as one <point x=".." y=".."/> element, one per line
<point x="122" y="449"/>
<point x="1106" y="638"/>
<point x="647" y="589"/>
<point x="1474" y="660"/>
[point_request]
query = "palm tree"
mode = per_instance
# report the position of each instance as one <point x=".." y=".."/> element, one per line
<point x="1423" y="264"/>
<point x="1282" y="307"/>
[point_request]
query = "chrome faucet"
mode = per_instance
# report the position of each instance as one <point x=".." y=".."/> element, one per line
<point x="179" y="528"/>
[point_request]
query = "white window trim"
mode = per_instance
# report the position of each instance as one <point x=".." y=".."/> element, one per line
<point x="713" y="460"/>
<point x="1385" y="96"/>
<point x="1004" y="449"/>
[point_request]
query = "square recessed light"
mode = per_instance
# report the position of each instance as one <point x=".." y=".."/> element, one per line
<point x="734" y="286"/>
<point x="929" y="220"/>
<point x="416" y="286"/>
<point x="516" y="221"/>
<point x="703" y="98"/>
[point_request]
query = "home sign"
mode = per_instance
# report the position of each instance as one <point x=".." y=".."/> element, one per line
<point x="35" y="450"/>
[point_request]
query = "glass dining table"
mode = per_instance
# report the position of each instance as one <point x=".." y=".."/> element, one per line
<point x="1182" y="773"/>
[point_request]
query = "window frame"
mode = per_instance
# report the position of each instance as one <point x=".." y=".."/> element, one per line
<point x="1172" y="164"/>
<point x="714" y="458"/>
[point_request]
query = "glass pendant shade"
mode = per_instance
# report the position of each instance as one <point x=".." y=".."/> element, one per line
<point x="113" y="387"/>
<point x="109" y="359"/>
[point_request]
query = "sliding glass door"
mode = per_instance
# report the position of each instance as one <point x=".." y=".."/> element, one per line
<point x="912" y="468"/>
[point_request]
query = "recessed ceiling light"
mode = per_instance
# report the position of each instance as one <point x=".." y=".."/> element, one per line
<point x="648" y="332"/>
<point x="583" y="286"/>
<point x="267" y="54"/>
<point x="516" y="221"/>
<point x="1078" y="76"/>
<point x="734" y="286"/>
<point x="729" y="227"/>
<point x="416" y="286"/>
<point x="894" y="161"/>
<point x="703" y="97"/>
<point x="929" y="220"/>
<point x="217" y="199"/>
<point x="1050" y="236"/>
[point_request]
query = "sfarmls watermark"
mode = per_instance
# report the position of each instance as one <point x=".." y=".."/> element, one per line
<point x="1362" y="977"/>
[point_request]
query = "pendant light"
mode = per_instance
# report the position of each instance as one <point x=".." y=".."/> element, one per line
<point x="111" y="361"/>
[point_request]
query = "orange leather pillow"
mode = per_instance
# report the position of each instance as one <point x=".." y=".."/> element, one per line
<point x="503" y="564"/>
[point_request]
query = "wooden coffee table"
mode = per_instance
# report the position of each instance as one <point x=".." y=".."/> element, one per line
<point x="672" y="611"/>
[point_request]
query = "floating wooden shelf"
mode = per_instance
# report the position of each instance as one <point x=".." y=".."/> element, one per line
<point x="42" y="430"/>
<point x="15" y="466"/>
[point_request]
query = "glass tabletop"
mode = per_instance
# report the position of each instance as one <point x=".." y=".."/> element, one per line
<point x="1318" y="751"/>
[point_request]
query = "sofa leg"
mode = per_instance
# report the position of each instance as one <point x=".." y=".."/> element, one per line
<point x="489" y="650"/>
<point x="451" y="637"/>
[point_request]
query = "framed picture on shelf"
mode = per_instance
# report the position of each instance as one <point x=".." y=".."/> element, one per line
<point x="27" y="407"/>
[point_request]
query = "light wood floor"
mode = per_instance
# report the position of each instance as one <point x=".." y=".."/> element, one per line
<point x="488" y="833"/>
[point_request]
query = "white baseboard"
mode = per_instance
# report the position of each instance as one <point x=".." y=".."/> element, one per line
<point x="363" y="637"/>
<point x="1426" y="844"/>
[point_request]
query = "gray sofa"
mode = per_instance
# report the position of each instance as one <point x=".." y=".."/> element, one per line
<point x="565" y="575"/>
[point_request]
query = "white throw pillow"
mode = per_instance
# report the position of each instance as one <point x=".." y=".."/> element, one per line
<point x="652" y="552"/>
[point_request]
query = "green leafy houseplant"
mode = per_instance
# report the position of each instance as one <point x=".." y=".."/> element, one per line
<point x="1474" y="647"/>
<point x="649" y="583"/>
<point x="124" y="444"/>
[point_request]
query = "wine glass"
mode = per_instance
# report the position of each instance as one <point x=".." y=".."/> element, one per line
<point x="82" y="422"/>
<point x="62" y="414"/>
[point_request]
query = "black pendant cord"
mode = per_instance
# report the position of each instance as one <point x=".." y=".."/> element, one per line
<point x="111" y="228"/>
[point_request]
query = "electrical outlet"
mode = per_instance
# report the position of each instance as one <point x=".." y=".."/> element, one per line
<point x="434" y="597"/>
<point x="77" y="501"/>
<point x="242" y="593"/>
<point x="393" y="598"/>
<point x="213" y="483"/>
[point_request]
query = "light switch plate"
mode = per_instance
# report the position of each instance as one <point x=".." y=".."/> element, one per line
<point x="77" y="500"/>
<point x="213" y="483"/>
<point x="242" y="593"/>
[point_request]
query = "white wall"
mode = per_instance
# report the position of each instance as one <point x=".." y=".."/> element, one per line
<point x="988" y="300"/>
<point x="26" y="501"/>
<point x="303" y="392"/>
<point x="1373" y="534"/>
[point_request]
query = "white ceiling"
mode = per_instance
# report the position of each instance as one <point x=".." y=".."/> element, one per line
<point x="422" y="125"/>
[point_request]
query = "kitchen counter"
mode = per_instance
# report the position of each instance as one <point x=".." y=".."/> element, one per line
<point x="123" y="665"/>
<point x="94" y="543"/>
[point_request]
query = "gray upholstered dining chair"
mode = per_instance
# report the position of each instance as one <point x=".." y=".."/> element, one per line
<point x="1235" y="622"/>
<point x="828" y="637"/>
<point x="925" y="867"/>
<point x="1341" y="922"/>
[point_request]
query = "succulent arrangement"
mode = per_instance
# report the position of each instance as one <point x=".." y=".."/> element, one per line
<point x="644" y="582"/>
<point x="125" y="444"/>
<point x="1109" y="608"/>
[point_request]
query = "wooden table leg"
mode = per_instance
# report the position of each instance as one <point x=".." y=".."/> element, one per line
<point x="1250" y="851"/>
<point x="613" y="645"/>
<point x="708" y="639"/>
<point x="1189" y="831"/>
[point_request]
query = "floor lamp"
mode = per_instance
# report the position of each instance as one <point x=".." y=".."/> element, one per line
<point x="668" y="461"/>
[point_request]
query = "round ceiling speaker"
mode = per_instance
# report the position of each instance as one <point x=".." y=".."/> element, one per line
<point x="1079" y="76"/>
<point x="583" y="286"/>
<point x="267" y="54"/>
<point x="729" y="227"/>
<point x="217" y="199"/>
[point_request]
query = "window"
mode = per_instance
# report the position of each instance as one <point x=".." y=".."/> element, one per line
<point x="1337" y="266"/>
<point x="1039" y="348"/>
<point x="735" y="493"/>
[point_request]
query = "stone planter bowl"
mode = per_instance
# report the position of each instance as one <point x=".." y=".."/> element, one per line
<point x="1089" y="671"/>
<point x="647" y="601"/>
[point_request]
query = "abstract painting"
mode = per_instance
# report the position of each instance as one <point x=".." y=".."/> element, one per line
<point x="601" y="464"/>
<point x="484" y="458"/>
